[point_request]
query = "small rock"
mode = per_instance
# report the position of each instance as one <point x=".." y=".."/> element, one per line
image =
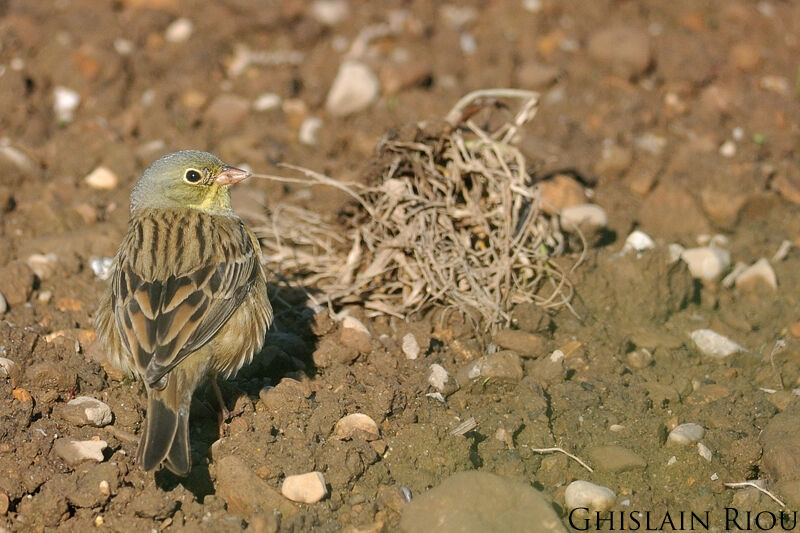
<point x="640" y="358"/>
<point x="267" y="102"/>
<point x="480" y="502"/>
<point x="245" y="493"/>
<point x="228" y="111"/>
<point x="615" y="160"/>
<point x="355" y="335"/>
<point x="625" y="50"/>
<point x="356" y="426"/>
<point x="615" y="459"/>
<point x="727" y="149"/>
<point x="589" y="218"/>
<point x="179" y="31"/>
<point x="704" y="452"/>
<point x="581" y="493"/>
<point x="4" y="503"/>
<point x="531" y="317"/>
<point x="9" y="369"/>
<point x="437" y="377"/>
<point x="305" y="488"/>
<point x="410" y="346"/>
<point x="21" y="395"/>
<point x="102" y="178"/>
<point x="395" y="77"/>
<point x="102" y="267"/>
<point x="456" y="16"/>
<point x="351" y="322"/>
<point x="16" y="282"/>
<point x="500" y="365"/>
<point x="331" y="351"/>
<point x="43" y="265"/>
<point x="75" y="452"/>
<point x="309" y="131"/>
<point x="638" y="241"/>
<point x="561" y="192"/>
<point x="776" y="84"/>
<point x="85" y="410"/>
<point x="706" y="262"/>
<point x="713" y="344"/>
<point x="355" y="88"/>
<point x="330" y="12"/>
<point x="760" y="273"/>
<point x="522" y="342"/>
<point x="686" y="433"/>
<point x="65" y="102"/>
<point x="745" y="56"/>
<point x="534" y="75"/>
<point x="3" y="304"/>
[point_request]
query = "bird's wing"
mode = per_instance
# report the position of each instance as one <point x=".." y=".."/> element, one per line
<point x="163" y="319"/>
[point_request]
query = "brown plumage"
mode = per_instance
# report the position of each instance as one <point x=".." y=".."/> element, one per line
<point x="187" y="299"/>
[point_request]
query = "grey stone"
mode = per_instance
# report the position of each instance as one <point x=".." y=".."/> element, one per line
<point x="473" y="501"/>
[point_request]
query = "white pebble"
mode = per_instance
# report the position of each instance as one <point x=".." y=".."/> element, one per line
<point x="672" y="460"/>
<point x="309" y="131"/>
<point x="713" y="344"/>
<point x="124" y="47"/>
<point x="8" y="368"/>
<point x="305" y="488"/>
<point x="3" y="304"/>
<point x="533" y="6"/>
<point x="438" y="377"/>
<point x="638" y="241"/>
<point x="267" y="102"/>
<point x="686" y="433"/>
<point x="581" y="493"/>
<point x="74" y="452"/>
<point x="674" y="252"/>
<point x="16" y="157"/>
<point x="43" y="265"/>
<point x="556" y="356"/>
<point x="737" y="133"/>
<point x="179" y="31"/>
<point x="355" y="88"/>
<point x="468" y="43"/>
<point x="761" y="271"/>
<point x="650" y="142"/>
<point x="356" y="425"/>
<point x="97" y="413"/>
<point x="105" y="489"/>
<point x="728" y="149"/>
<point x="706" y="262"/>
<point x="588" y="217"/>
<point x="65" y="101"/>
<point x="102" y="178"/>
<point x="410" y="346"/>
<point x="616" y="428"/>
<point x="102" y="267"/>
<point x="704" y="452"/>
<point x="330" y="12"/>
<point x="354" y="323"/>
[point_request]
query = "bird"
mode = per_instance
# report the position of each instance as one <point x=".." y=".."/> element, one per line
<point x="187" y="297"/>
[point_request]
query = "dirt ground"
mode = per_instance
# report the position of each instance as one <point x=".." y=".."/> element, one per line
<point x="680" y="119"/>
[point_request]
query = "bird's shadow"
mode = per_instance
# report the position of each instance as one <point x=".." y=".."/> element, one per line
<point x="288" y="350"/>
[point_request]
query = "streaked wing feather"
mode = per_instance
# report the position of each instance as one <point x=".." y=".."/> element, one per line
<point x="162" y="321"/>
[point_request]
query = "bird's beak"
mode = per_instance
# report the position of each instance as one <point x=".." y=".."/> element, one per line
<point x="231" y="175"/>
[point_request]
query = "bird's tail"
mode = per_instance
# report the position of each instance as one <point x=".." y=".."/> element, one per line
<point x="166" y="432"/>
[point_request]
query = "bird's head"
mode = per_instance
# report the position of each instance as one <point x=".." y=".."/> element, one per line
<point x="187" y="179"/>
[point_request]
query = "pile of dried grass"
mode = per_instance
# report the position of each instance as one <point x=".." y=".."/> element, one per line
<point x="450" y="218"/>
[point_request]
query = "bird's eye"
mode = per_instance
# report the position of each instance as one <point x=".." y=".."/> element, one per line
<point x="192" y="176"/>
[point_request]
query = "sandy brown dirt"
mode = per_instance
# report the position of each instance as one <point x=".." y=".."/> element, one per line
<point x="679" y="118"/>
